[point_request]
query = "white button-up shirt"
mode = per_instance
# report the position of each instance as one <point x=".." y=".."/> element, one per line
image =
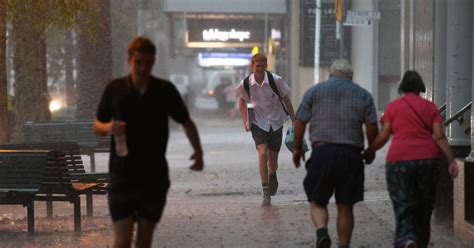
<point x="267" y="107"/>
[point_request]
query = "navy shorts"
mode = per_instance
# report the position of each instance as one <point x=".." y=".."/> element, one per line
<point x="335" y="168"/>
<point x="139" y="204"/>
<point x="271" y="138"/>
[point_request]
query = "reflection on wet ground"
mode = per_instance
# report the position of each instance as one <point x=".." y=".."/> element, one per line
<point x="57" y="232"/>
<point x="271" y="213"/>
<point x="219" y="207"/>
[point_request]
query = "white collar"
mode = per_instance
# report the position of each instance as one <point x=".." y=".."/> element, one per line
<point x="253" y="81"/>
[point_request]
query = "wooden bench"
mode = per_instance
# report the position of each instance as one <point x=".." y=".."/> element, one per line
<point x="79" y="132"/>
<point x="59" y="184"/>
<point x="21" y="178"/>
<point x="94" y="182"/>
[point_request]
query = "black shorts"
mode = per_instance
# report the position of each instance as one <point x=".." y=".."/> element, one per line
<point x="271" y="138"/>
<point x="335" y="168"/>
<point x="139" y="204"/>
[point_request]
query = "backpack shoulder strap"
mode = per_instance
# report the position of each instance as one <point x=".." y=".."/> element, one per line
<point x="271" y="81"/>
<point x="247" y="85"/>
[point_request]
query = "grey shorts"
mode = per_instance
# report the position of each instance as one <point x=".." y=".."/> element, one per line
<point x="271" y="138"/>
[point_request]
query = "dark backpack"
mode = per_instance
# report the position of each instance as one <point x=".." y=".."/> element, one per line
<point x="271" y="81"/>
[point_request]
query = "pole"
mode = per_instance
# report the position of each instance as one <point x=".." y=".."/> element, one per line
<point x="139" y="18"/>
<point x="317" y="38"/>
<point x="341" y="40"/>
<point x="265" y="44"/>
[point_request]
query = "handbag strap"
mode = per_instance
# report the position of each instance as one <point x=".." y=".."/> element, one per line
<point x="416" y="113"/>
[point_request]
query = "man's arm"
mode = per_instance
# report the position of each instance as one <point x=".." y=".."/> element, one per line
<point x="193" y="136"/>
<point x="115" y="128"/>
<point x="372" y="131"/>
<point x="298" y="152"/>
<point x="375" y="140"/>
<point x="289" y="107"/>
<point x="371" y="128"/>
<point x="243" y="113"/>
<point x="103" y="128"/>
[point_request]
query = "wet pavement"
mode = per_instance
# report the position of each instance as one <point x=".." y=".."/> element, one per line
<point x="220" y="207"/>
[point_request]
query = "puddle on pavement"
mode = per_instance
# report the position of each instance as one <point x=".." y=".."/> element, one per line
<point x="217" y="194"/>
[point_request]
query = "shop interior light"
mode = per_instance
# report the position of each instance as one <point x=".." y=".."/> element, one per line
<point x="223" y="59"/>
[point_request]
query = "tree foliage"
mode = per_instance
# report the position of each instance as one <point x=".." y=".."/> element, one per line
<point x="32" y="20"/>
<point x="47" y="14"/>
<point x="94" y="61"/>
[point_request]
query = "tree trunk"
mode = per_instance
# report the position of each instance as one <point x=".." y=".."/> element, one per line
<point x="69" y="69"/>
<point x="4" y="127"/>
<point x="29" y="62"/>
<point x="95" y="61"/>
<point x="124" y="16"/>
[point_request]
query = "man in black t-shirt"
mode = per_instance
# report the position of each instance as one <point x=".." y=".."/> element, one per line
<point x="137" y="108"/>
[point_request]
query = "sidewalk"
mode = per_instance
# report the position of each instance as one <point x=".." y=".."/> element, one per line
<point x="220" y="207"/>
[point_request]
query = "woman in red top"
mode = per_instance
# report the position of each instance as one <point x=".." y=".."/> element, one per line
<point x="413" y="160"/>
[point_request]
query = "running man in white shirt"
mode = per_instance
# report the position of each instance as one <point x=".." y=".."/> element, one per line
<point x="269" y="96"/>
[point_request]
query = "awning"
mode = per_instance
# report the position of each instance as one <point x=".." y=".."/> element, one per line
<point x="227" y="6"/>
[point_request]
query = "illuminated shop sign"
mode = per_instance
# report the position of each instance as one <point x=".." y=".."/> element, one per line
<point x="276" y="34"/>
<point x="220" y="33"/>
<point x="207" y="59"/>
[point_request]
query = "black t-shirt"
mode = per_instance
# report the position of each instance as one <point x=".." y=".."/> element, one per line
<point x="146" y="129"/>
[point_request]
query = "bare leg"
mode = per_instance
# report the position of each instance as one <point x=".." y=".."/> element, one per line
<point x="319" y="215"/>
<point x="262" y="162"/>
<point x="263" y="169"/>
<point x="345" y="223"/>
<point x="272" y="176"/>
<point x="145" y="233"/>
<point x="123" y="232"/>
<point x="272" y="161"/>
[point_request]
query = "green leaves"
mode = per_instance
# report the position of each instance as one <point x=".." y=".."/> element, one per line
<point x="46" y="14"/>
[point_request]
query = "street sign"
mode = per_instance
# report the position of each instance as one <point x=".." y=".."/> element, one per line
<point x="363" y="14"/>
<point x="354" y="22"/>
<point x="361" y="17"/>
<point x="329" y="46"/>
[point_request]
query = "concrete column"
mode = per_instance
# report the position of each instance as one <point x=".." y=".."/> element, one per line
<point x="407" y="9"/>
<point x="140" y="18"/>
<point x="440" y="39"/>
<point x="470" y="158"/>
<point x="469" y="162"/>
<point x="444" y="211"/>
<point x="464" y="185"/>
<point x="294" y="32"/>
<point x="365" y="50"/>
<point x="459" y="69"/>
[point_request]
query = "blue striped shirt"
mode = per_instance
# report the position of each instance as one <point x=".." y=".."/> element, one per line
<point x="337" y="109"/>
